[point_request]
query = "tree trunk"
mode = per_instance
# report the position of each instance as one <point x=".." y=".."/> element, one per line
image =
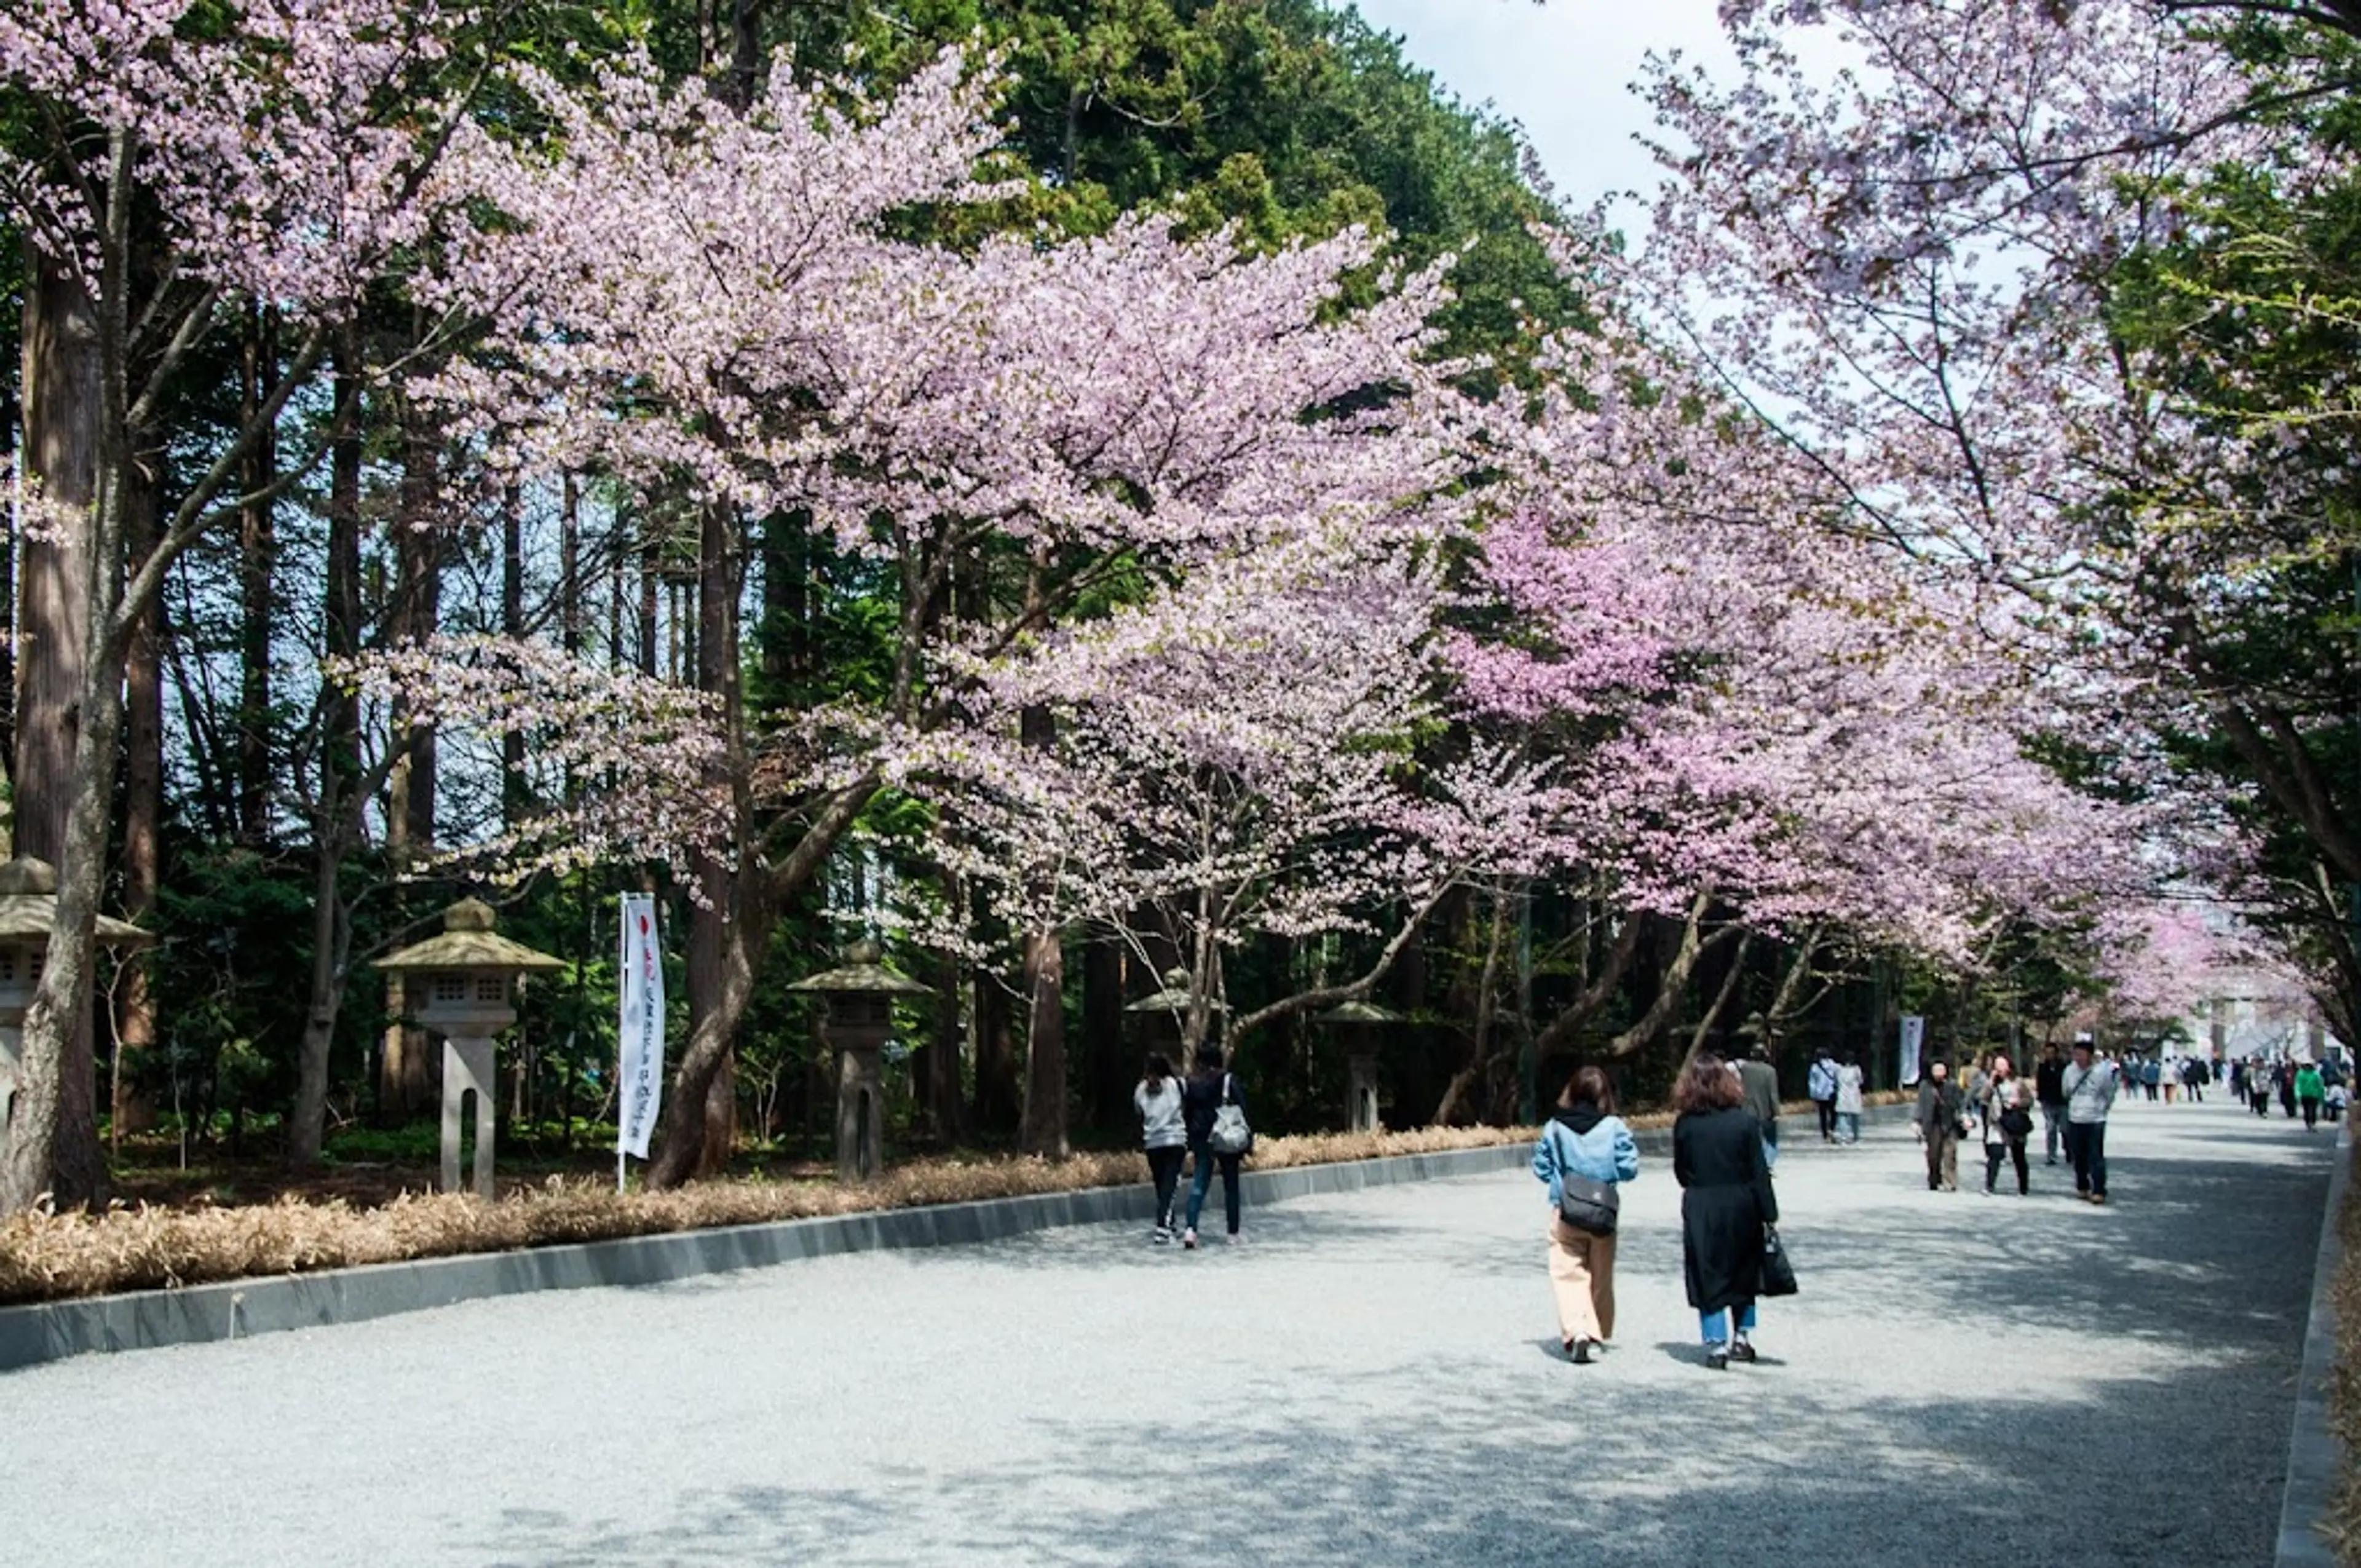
<point x="257" y="551"/>
<point x="133" y="1111"/>
<point x="407" y="1069"/>
<point x="1044" y="1128"/>
<point x="516" y="800"/>
<point x="1462" y="1097"/>
<point x="1704" y="1032"/>
<point x="1675" y="980"/>
<point x="996" y="1058"/>
<point x="336" y="802"/>
<point x="1111" y="1067"/>
<point x="53" y="1123"/>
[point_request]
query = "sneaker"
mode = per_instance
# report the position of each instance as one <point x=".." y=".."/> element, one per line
<point x="1161" y="1235"/>
<point x="1234" y="1238"/>
<point x="1716" y="1357"/>
<point x="1188" y="1238"/>
<point x="1741" y="1350"/>
<point x="1581" y="1353"/>
<point x="2098" y="1200"/>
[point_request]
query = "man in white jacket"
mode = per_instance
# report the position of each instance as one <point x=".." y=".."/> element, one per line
<point x="2090" y="1084"/>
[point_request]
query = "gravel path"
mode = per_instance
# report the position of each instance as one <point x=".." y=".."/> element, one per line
<point x="1374" y="1378"/>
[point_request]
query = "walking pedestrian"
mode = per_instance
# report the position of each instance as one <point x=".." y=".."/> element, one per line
<point x="2308" y="1092"/>
<point x="1758" y="1080"/>
<point x="2285" y="1079"/>
<point x="1821" y="1084"/>
<point x="2090" y="1086"/>
<point x="2049" y="1091"/>
<point x="2333" y="1103"/>
<point x="1208" y="1089"/>
<point x="1726" y="1202"/>
<point x="2007" y="1122"/>
<point x="1849" y="1087"/>
<point x="2259" y="1088"/>
<point x="1584" y="1138"/>
<point x="1164" y="1131"/>
<point x="2151" y="1075"/>
<point x="1942" y="1118"/>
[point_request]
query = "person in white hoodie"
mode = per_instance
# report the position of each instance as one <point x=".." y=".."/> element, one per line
<point x="1586" y="1138"/>
<point x="1166" y="1137"/>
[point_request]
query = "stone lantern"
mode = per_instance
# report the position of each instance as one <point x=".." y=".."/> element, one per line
<point x="860" y="995"/>
<point x="29" y="912"/>
<point x="1167" y="1013"/>
<point x="463" y="984"/>
<point x="1356" y="1024"/>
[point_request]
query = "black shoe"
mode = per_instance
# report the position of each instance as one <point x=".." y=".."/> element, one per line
<point x="1742" y="1351"/>
<point x="1581" y="1353"/>
<point x="1717" y="1360"/>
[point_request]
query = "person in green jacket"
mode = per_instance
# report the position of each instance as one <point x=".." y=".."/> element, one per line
<point x="2308" y="1092"/>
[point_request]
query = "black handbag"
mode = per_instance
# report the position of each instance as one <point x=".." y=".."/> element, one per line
<point x="1591" y="1206"/>
<point x="1586" y="1205"/>
<point x="1778" y="1274"/>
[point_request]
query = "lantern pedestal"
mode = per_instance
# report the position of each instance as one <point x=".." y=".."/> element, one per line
<point x="860" y="1110"/>
<point x="1361" y="1091"/>
<point x="468" y="1065"/>
<point x="12" y="1060"/>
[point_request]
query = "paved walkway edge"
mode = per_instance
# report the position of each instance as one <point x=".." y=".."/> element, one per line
<point x="52" y="1330"/>
<point x="2314" y="1455"/>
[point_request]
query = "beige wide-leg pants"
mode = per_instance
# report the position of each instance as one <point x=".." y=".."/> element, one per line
<point x="1582" y="1278"/>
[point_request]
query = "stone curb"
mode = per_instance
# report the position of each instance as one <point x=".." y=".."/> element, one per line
<point x="42" y="1332"/>
<point x="2314" y="1455"/>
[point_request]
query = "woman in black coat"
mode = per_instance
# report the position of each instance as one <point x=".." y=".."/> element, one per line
<point x="1726" y="1201"/>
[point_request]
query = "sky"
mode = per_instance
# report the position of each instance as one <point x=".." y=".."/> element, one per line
<point x="1562" y="71"/>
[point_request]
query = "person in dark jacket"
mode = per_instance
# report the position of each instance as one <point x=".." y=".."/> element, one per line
<point x="1726" y="1201"/>
<point x="2049" y="1090"/>
<point x="1208" y="1088"/>
<point x="1941" y="1117"/>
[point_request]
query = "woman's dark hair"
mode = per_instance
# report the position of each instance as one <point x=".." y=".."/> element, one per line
<point x="1707" y="1085"/>
<point x="1209" y="1057"/>
<point x="1588" y="1086"/>
<point x="1160" y="1068"/>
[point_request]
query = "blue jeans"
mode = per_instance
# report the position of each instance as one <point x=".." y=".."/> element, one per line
<point x="1201" y="1182"/>
<point x="1849" y="1123"/>
<point x="1714" y="1326"/>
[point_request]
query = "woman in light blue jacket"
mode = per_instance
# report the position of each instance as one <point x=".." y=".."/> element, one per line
<point x="1586" y="1138"/>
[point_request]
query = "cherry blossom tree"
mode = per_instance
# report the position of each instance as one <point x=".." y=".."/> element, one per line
<point x="172" y="165"/>
<point x="719" y="307"/>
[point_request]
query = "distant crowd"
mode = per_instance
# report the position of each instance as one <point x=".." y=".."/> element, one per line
<point x="1725" y="1144"/>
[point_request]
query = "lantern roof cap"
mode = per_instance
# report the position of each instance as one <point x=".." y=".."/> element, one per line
<point x="1358" y="1012"/>
<point x="469" y="942"/>
<point x="28" y="907"/>
<point x="1175" y="997"/>
<point x="863" y="970"/>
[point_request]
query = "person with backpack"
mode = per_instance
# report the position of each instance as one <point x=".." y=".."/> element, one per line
<point x="1585" y="1154"/>
<point x="1820" y="1085"/>
<point x="1215" y="1108"/>
<point x="1165" y="1134"/>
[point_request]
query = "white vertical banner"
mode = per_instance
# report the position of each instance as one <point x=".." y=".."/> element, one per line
<point x="640" y="1082"/>
<point x="1914" y="1040"/>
